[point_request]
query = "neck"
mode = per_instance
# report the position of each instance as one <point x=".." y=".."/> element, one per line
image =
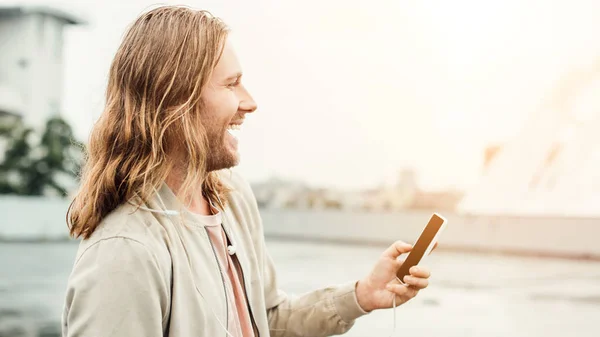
<point x="196" y="202"/>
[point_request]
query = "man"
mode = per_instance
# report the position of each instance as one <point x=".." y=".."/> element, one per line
<point x="172" y="240"/>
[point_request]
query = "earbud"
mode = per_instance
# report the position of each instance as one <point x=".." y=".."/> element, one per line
<point x="231" y="250"/>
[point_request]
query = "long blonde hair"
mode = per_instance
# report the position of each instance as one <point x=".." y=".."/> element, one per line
<point x="152" y="115"/>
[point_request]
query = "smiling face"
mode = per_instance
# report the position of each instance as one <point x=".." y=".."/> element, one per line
<point x="225" y="103"/>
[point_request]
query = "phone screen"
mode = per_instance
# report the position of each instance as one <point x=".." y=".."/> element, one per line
<point x="419" y="248"/>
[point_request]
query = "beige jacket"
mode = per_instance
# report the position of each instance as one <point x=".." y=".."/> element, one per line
<point x="151" y="274"/>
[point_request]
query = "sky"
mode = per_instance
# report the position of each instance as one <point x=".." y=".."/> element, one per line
<point x="351" y="92"/>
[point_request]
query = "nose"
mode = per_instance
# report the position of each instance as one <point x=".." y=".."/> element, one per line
<point x="247" y="103"/>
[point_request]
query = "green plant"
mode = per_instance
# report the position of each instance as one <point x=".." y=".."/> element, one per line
<point x="38" y="167"/>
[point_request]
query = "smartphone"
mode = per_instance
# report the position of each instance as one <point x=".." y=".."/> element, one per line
<point x="423" y="246"/>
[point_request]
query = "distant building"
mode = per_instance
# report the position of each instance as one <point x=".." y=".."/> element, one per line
<point x="437" y="201"/>
<point x="277" y="193"/>
<point x="393" y="198"/>
<point x="351" y="200"/>
<point x="31" y="62"/>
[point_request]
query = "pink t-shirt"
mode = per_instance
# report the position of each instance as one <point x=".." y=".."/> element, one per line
<point x="239" y="323"/>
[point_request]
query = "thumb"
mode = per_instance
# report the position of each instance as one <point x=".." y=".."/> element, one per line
<point x="396" y="249"/>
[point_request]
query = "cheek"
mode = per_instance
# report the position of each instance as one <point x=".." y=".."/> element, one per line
<point x="218" y="96"/>
<point x="217" y="119"/>
<point x="226" y="109"/>
<point x="223" y="98"/>
<point x="231" y="102"/>
<point x="223" y="104"/>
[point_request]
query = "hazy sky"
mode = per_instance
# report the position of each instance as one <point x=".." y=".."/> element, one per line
<point x="349" y="92"/>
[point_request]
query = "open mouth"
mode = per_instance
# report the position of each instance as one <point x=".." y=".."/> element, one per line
<point x="233" y="130"/>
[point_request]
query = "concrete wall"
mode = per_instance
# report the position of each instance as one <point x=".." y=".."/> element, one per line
<point x="34" y="218"/>
<point x="26" y="218"/>
<point x="554" y="237"/>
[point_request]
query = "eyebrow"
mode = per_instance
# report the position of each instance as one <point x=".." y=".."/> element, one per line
<point x="233" y="77"/>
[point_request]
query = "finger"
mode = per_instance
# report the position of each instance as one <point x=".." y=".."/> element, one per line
<point x="396" y="249"/>
<point x="398" y="289"/>
<point x="420" y="271"/>
<point x="400" y="260"/>
<point x="418" y="283"/>
<point x="403" y="291"/>
<point x="411" y="292"/>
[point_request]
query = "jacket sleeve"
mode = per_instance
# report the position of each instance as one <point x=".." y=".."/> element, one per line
<point x="324" y="312"/>
<point x="116" y="289"/>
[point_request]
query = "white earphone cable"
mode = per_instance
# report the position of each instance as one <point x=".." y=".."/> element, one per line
<point x="394" y="310"/>
<point x="168" y="213"/>
<point x="231" y="251"/>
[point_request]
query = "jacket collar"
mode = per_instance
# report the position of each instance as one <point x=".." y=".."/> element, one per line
<point x="165" y="202"/>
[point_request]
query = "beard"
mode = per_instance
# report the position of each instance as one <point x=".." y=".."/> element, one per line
<point x="219" y="155"/>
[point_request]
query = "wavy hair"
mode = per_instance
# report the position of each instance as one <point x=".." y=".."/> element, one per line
<point x="151" y="119"/>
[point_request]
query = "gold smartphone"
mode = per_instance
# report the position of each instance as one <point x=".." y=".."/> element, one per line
<point x="423" y="246"/>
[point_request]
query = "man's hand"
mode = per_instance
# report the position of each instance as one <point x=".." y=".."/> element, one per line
<point x="377" y="290"/>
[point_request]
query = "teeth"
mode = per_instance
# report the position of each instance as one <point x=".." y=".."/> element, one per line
<point x="233" y="130"/>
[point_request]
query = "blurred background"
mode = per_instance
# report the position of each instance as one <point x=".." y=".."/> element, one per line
<point x="372" y="115"/>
